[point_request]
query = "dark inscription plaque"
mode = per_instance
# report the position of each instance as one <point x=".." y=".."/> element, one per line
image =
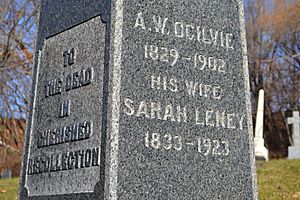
<point x="65" y="138"/>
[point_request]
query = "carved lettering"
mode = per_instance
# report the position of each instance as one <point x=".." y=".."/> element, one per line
<point x="185" y="30"/>
<point x="219" y="119"/>
<point x="79" y="79"/>
<point x="53" y="87"/>
<point x="156" y="110"/>
<point x="64" y="109"/>
<point x="70" y="133"/>
<point x="69" y="57"/>
<point x="64" y="161"/>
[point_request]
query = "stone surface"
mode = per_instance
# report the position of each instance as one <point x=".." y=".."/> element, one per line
<point x="6" y="174"/>
<point x="167" y="107"/>
<point x="261" y="152"/>
<point x="294" y="153"/>
<point x="70" y="79"/>
<point x="80" y="83"/>
<point x="294" y="150"/>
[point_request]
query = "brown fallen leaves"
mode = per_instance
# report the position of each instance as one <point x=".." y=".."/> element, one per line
<point x="3" y="191"/>
<point x="296" y="195"/>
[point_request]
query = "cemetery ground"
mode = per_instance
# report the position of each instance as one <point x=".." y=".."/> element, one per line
<point x="9" y="189"/>
<point x="277" y="180"/>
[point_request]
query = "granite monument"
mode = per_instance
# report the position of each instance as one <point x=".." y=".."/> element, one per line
<point x="140" y="99"/>
<point x="294" y="150"/>
<point x="261" y="152"/>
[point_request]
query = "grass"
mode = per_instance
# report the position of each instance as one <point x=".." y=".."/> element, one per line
<point x="9" y="189"/>
<point x="277" y="180"/>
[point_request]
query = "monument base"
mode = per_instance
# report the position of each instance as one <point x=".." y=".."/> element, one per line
<point x="294" y="153"/>
<point x="261" y="152"/>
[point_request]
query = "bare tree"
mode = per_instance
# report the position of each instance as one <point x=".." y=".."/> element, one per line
<point x="18" y="19"/>
<point x="273" y="47"/>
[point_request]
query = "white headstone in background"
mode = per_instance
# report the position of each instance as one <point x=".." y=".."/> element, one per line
<point x="6" y="174"/>
<point x="294" y="150"/>
<point x="261" y="152"/>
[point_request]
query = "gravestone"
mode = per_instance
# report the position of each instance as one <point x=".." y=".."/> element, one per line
<point x="140" y="100"/>
<point x="294" y="150"/>
<point x="6" y="174"/>
<point x="261" y="152"/>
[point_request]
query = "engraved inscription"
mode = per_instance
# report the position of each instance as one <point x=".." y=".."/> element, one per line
<point x="53" y="87"/>
<point x="165" y="111"/>
<point x="162" y="53"/>
<point x="69" y="57"/>
<point x="172" y="56"/>
<point x="66" y="135"/>
<point x="70" y="133"/>
<point x="65" y="161"/>
<point x="79" y="79"/>
<point x="204" y="146"/>
<point x="185" y="30"/>
<point x="64" y="110"/>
